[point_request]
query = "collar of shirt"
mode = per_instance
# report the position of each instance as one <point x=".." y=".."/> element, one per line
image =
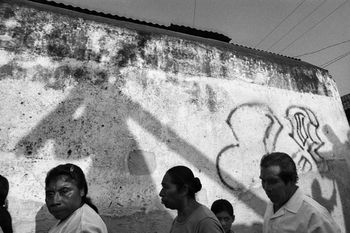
<point x="292" y="205"/>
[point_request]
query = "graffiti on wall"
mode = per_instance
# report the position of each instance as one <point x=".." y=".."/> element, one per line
<point x="304" y="131"/>
<point x="265" y="136"/>
<point x="256" y="130"/>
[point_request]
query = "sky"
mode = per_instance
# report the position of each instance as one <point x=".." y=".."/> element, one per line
<point x="315" y="31"/>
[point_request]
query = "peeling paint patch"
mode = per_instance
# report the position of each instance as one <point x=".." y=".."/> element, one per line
<point x="7" y="12"/>
<point x="5" y="57"/>
<point x="11" y="23"/>
<point x="211" y="99"/>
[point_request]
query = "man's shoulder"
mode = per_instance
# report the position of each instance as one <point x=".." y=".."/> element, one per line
<point x="313" y="207"/>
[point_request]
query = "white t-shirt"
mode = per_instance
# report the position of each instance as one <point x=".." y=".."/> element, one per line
<point x="83" y="220"/>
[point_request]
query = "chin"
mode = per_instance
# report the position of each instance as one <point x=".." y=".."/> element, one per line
<point x="169" y="207"/>
<point x="58" y="215"/>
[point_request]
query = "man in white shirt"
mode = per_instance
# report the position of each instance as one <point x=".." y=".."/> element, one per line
<point x="290" y="210"/>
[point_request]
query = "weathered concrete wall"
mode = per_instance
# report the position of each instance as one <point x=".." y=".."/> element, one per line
<point x="128" y="104"/>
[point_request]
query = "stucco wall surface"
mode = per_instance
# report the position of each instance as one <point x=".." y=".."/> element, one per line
<point x="126" y="105"/>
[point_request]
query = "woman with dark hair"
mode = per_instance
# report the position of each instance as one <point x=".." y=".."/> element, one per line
<point x="5" y="217"/>
<point x="179" y="187"/>
<point x="66" y="198"/>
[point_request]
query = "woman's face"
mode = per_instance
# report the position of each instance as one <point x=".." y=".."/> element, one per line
<point x="63" y="197"/>
<point x="170" y="195"/>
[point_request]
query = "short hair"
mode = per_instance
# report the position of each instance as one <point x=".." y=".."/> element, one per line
<point x="181" y="175"/>
<point x="75" y="173"/>
<point x="285" y="162"/>
<point x="4" y="189"/>
<point x="222" y="205"/>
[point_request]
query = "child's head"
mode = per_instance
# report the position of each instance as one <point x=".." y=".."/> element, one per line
<point x="224" y="212"/>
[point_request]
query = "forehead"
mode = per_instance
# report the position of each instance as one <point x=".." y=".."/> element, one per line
<point x="167" y="179"/>
<point x="272" y="171"/>
<point x="61" y="181"/>
<point x="222" y="214"/>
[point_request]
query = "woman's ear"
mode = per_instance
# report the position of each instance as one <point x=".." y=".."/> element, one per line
<point x="82" y="192"/>
<point x="184" y="190"/>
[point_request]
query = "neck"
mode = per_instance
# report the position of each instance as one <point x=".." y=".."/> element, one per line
<point x="187" y="209"/>
<point x="277" y="206"/>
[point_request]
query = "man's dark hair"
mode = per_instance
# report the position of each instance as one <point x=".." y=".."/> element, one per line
<point x="222" y="205"/>
<point x="285" y="162"/>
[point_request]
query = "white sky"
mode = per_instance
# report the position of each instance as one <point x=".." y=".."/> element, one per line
<point x="311" y="25"/>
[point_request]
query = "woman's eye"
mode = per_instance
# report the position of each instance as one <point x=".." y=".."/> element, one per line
<point x="64" y="191"/>
<point x="49" y="194"/>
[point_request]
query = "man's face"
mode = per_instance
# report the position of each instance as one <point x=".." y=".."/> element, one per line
<point x="63" y="197"/>
<point x="169" y="194"/>
<point x="226" y="220"/>
<point x="275" y="188"/>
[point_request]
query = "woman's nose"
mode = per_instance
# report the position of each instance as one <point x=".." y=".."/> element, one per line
<point x="57" y="198"/>
<point x="161" y="193"/>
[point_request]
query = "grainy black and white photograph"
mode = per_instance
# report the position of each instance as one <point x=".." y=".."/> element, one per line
<point x="173" y="116"/>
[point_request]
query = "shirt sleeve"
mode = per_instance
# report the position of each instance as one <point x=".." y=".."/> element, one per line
<point x="93" y="229"/>
<point x="97" y="227"/>
<point x="208" y="225"/>
<point x="322" y="224"/>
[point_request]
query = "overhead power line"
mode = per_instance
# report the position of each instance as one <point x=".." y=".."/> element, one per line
<point x="299" y="22"/>
<point x="319" y="50"/>
<point x="194" y="13"/>
<point x="285" y="18"/>
<point x="335" y="59"/>
<point x="313" y="26"/>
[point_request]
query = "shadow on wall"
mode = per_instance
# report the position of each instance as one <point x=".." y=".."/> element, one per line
<point x="92" y="122"/>
<point x="339" y="173"/>
<point x="102" y="131"/>
<point x="305" y="129"/>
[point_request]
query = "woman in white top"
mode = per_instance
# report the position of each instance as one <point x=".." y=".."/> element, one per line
<point x="66" y="199"/>
<point x="179" y="187"/>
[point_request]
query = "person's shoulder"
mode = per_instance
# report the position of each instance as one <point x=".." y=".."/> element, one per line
<point x="312" y="206"/>
<point x="202" y="212"/>
<point x="91" y="220"/>
<point x="205" y="214"/>
<point x="312" y="203"/>
<point x="205" y="211"/>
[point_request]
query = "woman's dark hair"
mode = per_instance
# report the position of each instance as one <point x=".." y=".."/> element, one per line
<point x="222" y="205"/>
<point x="74" y="173"/>
<point x="181" y="176"/>
<point x="4" y="189"/>
<point x="288" y="171"/>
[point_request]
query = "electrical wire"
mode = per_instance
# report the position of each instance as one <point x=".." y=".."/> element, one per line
<point x="194" y="13"/>
<point x="312" y="27"/>
<point x="335" y="59"/>
<point x="285" y="18"/>
<point x="299" y="22"/>
<point x="319" y="50"/>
